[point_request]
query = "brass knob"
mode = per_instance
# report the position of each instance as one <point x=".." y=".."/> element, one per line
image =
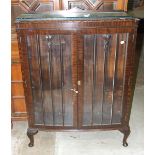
<point x="122" y="42"/>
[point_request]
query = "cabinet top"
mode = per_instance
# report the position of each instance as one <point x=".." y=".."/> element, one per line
<point x="67" y="15"/>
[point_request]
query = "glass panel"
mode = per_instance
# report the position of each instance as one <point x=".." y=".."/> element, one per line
<point x="119" y="77"/>
<point x="45" y="68"/>
<point x="34" y="65"/>
<point x="104" y="61"/>
<point x="67" y="80"/>
<point x="88" y="79"/>
<point x="99" y="80"/>
<point x="109" y="71"/>
<point x="53" y="58"/>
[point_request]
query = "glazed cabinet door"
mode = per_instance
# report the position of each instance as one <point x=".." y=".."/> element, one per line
<point x="51" y="69"/>
<point x="102" y="79"/>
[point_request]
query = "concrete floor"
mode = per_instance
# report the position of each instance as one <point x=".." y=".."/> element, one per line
<point x="87" y="143"/>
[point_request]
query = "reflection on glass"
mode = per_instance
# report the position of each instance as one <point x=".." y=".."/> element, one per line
<point x="104" y="63"/>
<point x="51" y="76"/>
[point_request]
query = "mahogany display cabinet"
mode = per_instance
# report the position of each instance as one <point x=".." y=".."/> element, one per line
<point x="78" y="70"/>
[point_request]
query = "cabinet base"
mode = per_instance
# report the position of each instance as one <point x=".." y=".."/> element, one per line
<point x="33" y="131"/>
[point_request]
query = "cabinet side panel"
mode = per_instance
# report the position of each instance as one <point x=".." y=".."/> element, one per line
<point x="23" y="51"/>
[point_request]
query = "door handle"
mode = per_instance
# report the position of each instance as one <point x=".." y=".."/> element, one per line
<point x="74" y="90"/>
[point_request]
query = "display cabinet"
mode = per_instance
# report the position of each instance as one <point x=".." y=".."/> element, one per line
<point x="78" y="70"/>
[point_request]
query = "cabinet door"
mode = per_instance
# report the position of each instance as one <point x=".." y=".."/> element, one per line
<point x="104" y="57"/>
<point x="51" y="66"/>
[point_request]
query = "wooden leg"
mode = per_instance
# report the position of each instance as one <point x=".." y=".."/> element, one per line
<point x="126" y="131"/>
<point x="30" y="133"/>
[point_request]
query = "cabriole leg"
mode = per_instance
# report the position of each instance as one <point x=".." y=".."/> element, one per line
<point x="30" y="133"/>
<point x="126" y="131"/>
